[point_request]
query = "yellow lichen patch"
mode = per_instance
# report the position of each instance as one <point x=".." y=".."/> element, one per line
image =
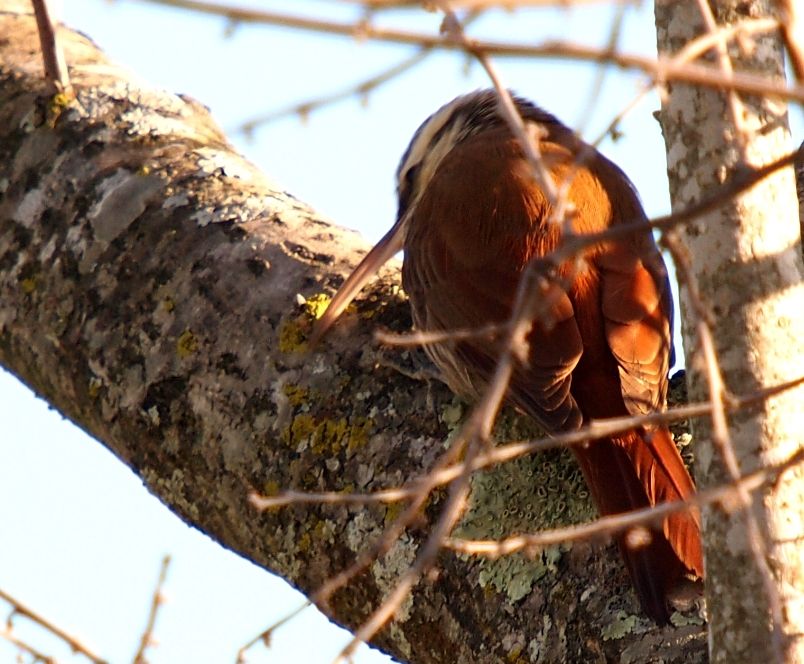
<point x="513" y="655"/>
<point x="168" y="304"/>
<point x="328" y="436"/>
<point x="291" y="337"/>
<point x="316" y="305"/>
<point x="296" y="394"/>
<point x="95" y="385"/>
<point x="392" y="512"/>
<point x="304" y="542"/>
<point x="28" y="285"/>
<point x="359" y="432"/>
<point x="187" y="344"/>
<point x="58" y="103"/>
<point x="271" y="488"/>
<point x="619" y="627"/>
<point x="299" y="430"/>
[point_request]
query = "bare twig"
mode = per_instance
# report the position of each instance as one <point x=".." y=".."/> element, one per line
<point x="609" y="526"/>
<point x="363" y="89"/>
<point x="391" y="534"/>
<point x="305" y="108"/>
<point x="482" y="4"/>
<point x="661" y="69"/>
<point x="596" y="89"/>
<point x="52" y="55"/>
<point x="449" y="517"/>
<point x="265" y="635"/>
<point x="146" y="639"/>
<point x="18" y="608"/>
<point x="514" y="450"/>
<point x="735" y="106"/>
<point x="527" y="140"/>
<point x="422" y="338"/>
<point x="37" y="655"/>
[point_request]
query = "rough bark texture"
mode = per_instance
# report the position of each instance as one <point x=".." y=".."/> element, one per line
<point x="157" y="290"/>
<point x="747" y="262"/>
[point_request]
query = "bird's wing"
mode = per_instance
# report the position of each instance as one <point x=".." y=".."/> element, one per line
<point x="637" y="312"/>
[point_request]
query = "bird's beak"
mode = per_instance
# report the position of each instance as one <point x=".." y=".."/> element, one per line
<point x="391" y="243"/>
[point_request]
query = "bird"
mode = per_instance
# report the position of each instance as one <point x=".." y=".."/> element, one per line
<point x="471" y="218"/>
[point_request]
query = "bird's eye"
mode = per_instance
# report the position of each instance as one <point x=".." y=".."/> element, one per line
<point x="406" y="187"/>
<point x="410" y="176"/>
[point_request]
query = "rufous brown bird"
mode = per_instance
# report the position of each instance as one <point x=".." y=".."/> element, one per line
<point x="470" y="219"/>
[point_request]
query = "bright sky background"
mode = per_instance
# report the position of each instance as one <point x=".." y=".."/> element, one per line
<point x="82" y="539"/>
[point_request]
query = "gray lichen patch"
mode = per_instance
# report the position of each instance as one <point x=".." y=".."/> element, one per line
<point x="529" y="494"/>
<point x="618" y="628"/>
<point x="123" y="197"/>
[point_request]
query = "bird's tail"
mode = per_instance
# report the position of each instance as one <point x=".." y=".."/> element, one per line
<point x="639" y="469"/>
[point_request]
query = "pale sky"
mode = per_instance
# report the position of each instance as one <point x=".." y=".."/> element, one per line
<point x="82" y="539"/>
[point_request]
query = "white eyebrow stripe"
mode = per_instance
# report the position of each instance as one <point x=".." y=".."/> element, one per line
<point x="421" y="143"/>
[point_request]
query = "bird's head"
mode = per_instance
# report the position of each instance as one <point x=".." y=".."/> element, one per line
<point x="451" y="124"/>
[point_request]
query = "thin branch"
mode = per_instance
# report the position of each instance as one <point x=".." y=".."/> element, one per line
<point x="662" y="70"/>
<point x="390" y="534"/>
<point x="37" y="655"/>
<point x="482" y="4"/>
<point x="609" y="526"/>
<point x="528" y="140"/>
<point x="741" y="180"/>
<point x="363" y="88"/>
<point x="514" y="450"/>
<point x="425" y="338"/>
<point x="265" y="635"/>
<point x="52" y="55"/>
<point x="476" y="430"/>
<point x="146" y="639"/>
<point x="611" y="128"/>
<point x="305" y="108"/>
<point x="19" y="608"/>
<point x="447" y="520"/>
<point x="596" y="89"/>
<point x="735" y="105"/>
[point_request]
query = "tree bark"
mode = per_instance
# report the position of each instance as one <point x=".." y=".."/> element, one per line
<point x="157" y="290"/>
<point x="747" y="262"/>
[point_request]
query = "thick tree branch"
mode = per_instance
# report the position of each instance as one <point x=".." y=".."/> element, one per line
<point x="157" y="289"/>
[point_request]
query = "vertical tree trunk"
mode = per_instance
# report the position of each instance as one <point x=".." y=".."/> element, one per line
<point x="747" y="262"/>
